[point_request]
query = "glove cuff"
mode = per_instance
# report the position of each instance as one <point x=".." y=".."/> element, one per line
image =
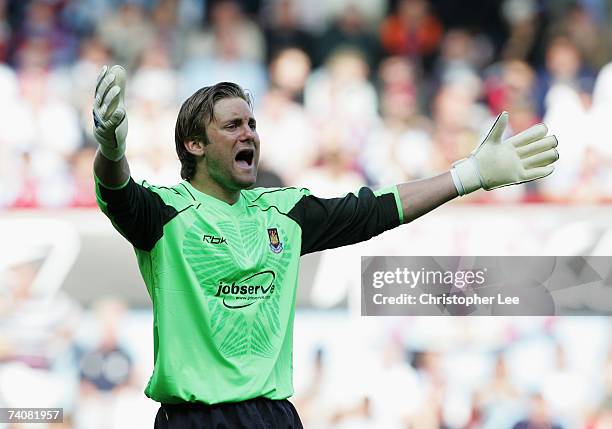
<point x="109" y="152"/>
<point x="466" y="176"/>
<point x="112" y="154"/>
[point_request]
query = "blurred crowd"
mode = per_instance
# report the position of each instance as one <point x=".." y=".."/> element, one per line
<point x="443" y="373"/>
<point x="349" y="372"/>
<point x="347" y="92"/>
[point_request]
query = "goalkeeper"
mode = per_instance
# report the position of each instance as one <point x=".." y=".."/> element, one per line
<point x="220" y="260"/>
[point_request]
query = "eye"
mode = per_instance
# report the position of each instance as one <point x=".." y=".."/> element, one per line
<point x="231" y="125"/>
<point x="253" y="125"/>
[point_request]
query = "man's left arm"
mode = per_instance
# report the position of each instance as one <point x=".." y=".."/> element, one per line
<point x="329" y="223"/>
<point x="422" y="196"/>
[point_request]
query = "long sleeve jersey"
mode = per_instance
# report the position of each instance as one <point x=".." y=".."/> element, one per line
<point x="222" y="278"/>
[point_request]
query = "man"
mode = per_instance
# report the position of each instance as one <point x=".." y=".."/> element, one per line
<point x="220" y="261"/>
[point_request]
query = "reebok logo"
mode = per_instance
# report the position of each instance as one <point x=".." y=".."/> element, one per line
<point x="213" y="240"/>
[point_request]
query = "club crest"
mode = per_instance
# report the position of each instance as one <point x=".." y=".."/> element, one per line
<point x="275" y="244"/>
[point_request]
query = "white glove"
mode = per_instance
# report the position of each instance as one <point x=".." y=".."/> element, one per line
<point x="495" y="162"/>
<point x="110" y="119"/>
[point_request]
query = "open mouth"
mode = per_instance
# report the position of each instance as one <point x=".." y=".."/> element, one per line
<point x="244" y="158"/>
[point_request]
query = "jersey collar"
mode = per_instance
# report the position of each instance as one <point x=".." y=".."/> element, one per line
<point x="204" y="198"/>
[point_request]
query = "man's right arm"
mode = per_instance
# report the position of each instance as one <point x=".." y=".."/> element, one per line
<point x="111" y="174"/>
<point x="137" y="212"/>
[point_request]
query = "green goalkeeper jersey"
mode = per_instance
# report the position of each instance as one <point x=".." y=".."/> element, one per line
<point x="222" y="278"/>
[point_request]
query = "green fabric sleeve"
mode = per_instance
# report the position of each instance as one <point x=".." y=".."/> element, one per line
<point x="393" y="190"/>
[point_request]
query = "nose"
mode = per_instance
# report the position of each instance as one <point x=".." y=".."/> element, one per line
<point x="247" y="133"/>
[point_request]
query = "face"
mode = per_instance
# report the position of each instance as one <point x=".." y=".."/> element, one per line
<point x="232" y="155"/>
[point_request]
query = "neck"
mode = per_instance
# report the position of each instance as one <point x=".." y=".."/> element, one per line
<point x="209" y="186"/>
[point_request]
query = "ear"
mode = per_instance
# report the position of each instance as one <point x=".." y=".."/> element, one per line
<point x="194" y="147"/>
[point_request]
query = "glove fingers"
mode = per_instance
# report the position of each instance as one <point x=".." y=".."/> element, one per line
<point x="110" y="102"/>
<point x="101" y="76"/>
<point x="103" y="88"/>
<point x="498" y="128"/>
<point x="538" y="172"/>
<point x="541" y="159"/>
<point x="117" y="116"/>
<point x="536" y="147"/>
<point x="119" y="73"/>
<point x="530" y="135"/>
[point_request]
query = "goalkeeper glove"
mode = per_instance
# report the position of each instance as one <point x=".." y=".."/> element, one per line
<point x="110" y="119"/>
<point x="495" y="162"/>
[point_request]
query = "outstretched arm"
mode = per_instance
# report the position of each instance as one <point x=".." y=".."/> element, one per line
<point x="335" y="222"/>
<point x="110" y="128"/>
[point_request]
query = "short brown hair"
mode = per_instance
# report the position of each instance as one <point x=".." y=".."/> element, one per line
<point x="195" y="113"/>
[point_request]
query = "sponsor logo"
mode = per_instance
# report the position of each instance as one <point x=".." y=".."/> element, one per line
<point x="275" y="244"/>
<point x="248" y="291"/>
<point x="213" y="240"/>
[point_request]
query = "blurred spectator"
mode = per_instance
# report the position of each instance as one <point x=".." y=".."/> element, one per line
<point x="127" y="32"/>
<point x="598" y="154"/>
<point x="282" y="30"/>
<point x="461" y="57"/>
<point x="308" y="402"/>
<point x="80" y="79"/>
<point x="231" y="51"/>
<point x="153" y="95"/>
<point x="563" y="66"/>
<point x="50" y="133"/>
<point x="399" y="147"/>
<point x="349" y="31"/>
<point x="428" y="365"/>
<point x="5" y="32"/>
<point x="168" y="32"/>
<point x="509" y="83"/>
<point x="566" y="391"/>
<point x="396" y="394"/>
<point x="82" y="187"/>
<point x="82" y="16"/>
<point x="105" y="368"/>
<point x="576" y="175"/>
<point x="339" y="96"/>
<point x="539" y="416"/>
<point x="10" y="137"/>
<point x="228" y="22"/>
<point x="41" y="24"/>
<point x="457" y="119"/>
<point x="586" y="31"/>
<point x="412" y="31"/>
<point x="288" y="73"/>
<point x="498" y="401"/>
<point x="526" y="29"/>
<point x="284" y="128"/>
<point x="190" y="13"/>
<point x="335" y="175"/>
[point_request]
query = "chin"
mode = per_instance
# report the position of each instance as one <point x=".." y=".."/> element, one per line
<point x="245" y="183"/>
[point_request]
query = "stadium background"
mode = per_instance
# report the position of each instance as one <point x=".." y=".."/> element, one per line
<point x="347" y="93"/>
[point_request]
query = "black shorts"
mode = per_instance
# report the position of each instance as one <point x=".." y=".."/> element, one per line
<point x="257" y="413"/>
